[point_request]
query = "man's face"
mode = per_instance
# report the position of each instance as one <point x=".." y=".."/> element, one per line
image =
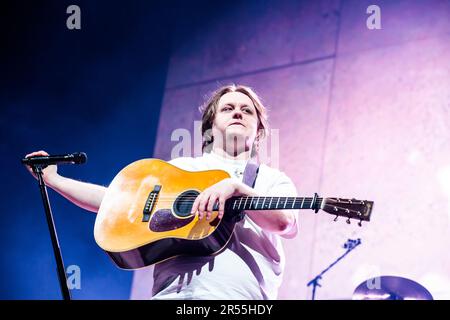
<point x="235" y="118"/>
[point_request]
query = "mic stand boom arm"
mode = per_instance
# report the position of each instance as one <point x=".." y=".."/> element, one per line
<point x="349" y="245"/>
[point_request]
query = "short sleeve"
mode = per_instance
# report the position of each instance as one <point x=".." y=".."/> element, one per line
<point x="284" y="187"/>
<point x="185" y="163"/>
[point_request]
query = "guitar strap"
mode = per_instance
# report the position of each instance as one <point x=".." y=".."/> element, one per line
<point x="249" y="178"/>
<point x="251" y="172"/>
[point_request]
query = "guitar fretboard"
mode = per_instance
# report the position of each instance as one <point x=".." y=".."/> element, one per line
<point x="272" y="203"/>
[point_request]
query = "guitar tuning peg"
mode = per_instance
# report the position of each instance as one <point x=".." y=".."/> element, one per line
<point x="335" y="219"/>
<point x="348" y="220"/>
<point x="360" y="223"/>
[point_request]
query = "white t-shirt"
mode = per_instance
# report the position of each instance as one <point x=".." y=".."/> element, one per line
<point x="251" y="266"/>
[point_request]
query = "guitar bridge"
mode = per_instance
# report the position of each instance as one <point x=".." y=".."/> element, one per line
<point x="150" y="203"/>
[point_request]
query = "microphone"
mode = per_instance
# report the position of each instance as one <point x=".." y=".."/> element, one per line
<point x="71" y="158"/>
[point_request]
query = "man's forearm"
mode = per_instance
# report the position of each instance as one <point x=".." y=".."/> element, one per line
<point x="276" y="221"/>
<point x="85" y="195"/>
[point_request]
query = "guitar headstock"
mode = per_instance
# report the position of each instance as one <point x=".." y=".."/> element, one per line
<point x="349" y="208"/>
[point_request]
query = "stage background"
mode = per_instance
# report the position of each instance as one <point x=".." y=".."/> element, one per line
<point x="97" y="90"/>
<point x="358" y="113"/>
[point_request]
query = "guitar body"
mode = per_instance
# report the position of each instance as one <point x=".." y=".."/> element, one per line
<point x="134" y="239"/>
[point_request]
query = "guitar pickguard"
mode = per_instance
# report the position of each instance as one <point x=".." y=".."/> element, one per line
<point x="163" y="220"/>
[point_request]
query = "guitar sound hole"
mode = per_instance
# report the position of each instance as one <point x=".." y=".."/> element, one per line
<point x="183" y="204"/>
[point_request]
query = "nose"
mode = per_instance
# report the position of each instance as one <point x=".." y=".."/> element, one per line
<point x="237" y="114"/>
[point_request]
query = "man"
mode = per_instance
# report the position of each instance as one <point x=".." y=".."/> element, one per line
<point x="251" y="266"/>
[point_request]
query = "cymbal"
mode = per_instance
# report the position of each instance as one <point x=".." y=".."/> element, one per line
<point x="391" y="288"/>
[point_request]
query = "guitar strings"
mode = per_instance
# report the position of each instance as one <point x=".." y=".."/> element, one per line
<point x="242" y="201"/>
<point x="287" y="203"/>
<point x="287" y="200"/>
<point x="305" y="199"/>
<point x="243" y="197"/>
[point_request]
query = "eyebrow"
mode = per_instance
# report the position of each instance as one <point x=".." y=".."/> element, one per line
<point x="233" y="105"/>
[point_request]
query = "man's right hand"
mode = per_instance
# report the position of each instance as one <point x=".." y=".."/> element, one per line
<point x="50" y="173"/>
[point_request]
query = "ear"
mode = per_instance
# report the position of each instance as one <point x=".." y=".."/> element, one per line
<point x="258" y="134"/>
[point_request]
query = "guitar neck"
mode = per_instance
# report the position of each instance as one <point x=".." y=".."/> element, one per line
<point x="273" y="203"/>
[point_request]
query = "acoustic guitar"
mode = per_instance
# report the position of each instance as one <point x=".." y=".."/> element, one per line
<point x="145" y="216"/>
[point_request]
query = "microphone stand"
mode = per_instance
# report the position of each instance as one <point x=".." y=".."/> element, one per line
<point x="51" y="226"/>
<point x="349" y="245"/>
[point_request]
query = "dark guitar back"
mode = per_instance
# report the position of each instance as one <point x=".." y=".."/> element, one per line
<point x="164" y="249"/>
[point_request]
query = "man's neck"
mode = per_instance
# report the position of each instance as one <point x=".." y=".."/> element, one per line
<point x="232" y="154"/>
